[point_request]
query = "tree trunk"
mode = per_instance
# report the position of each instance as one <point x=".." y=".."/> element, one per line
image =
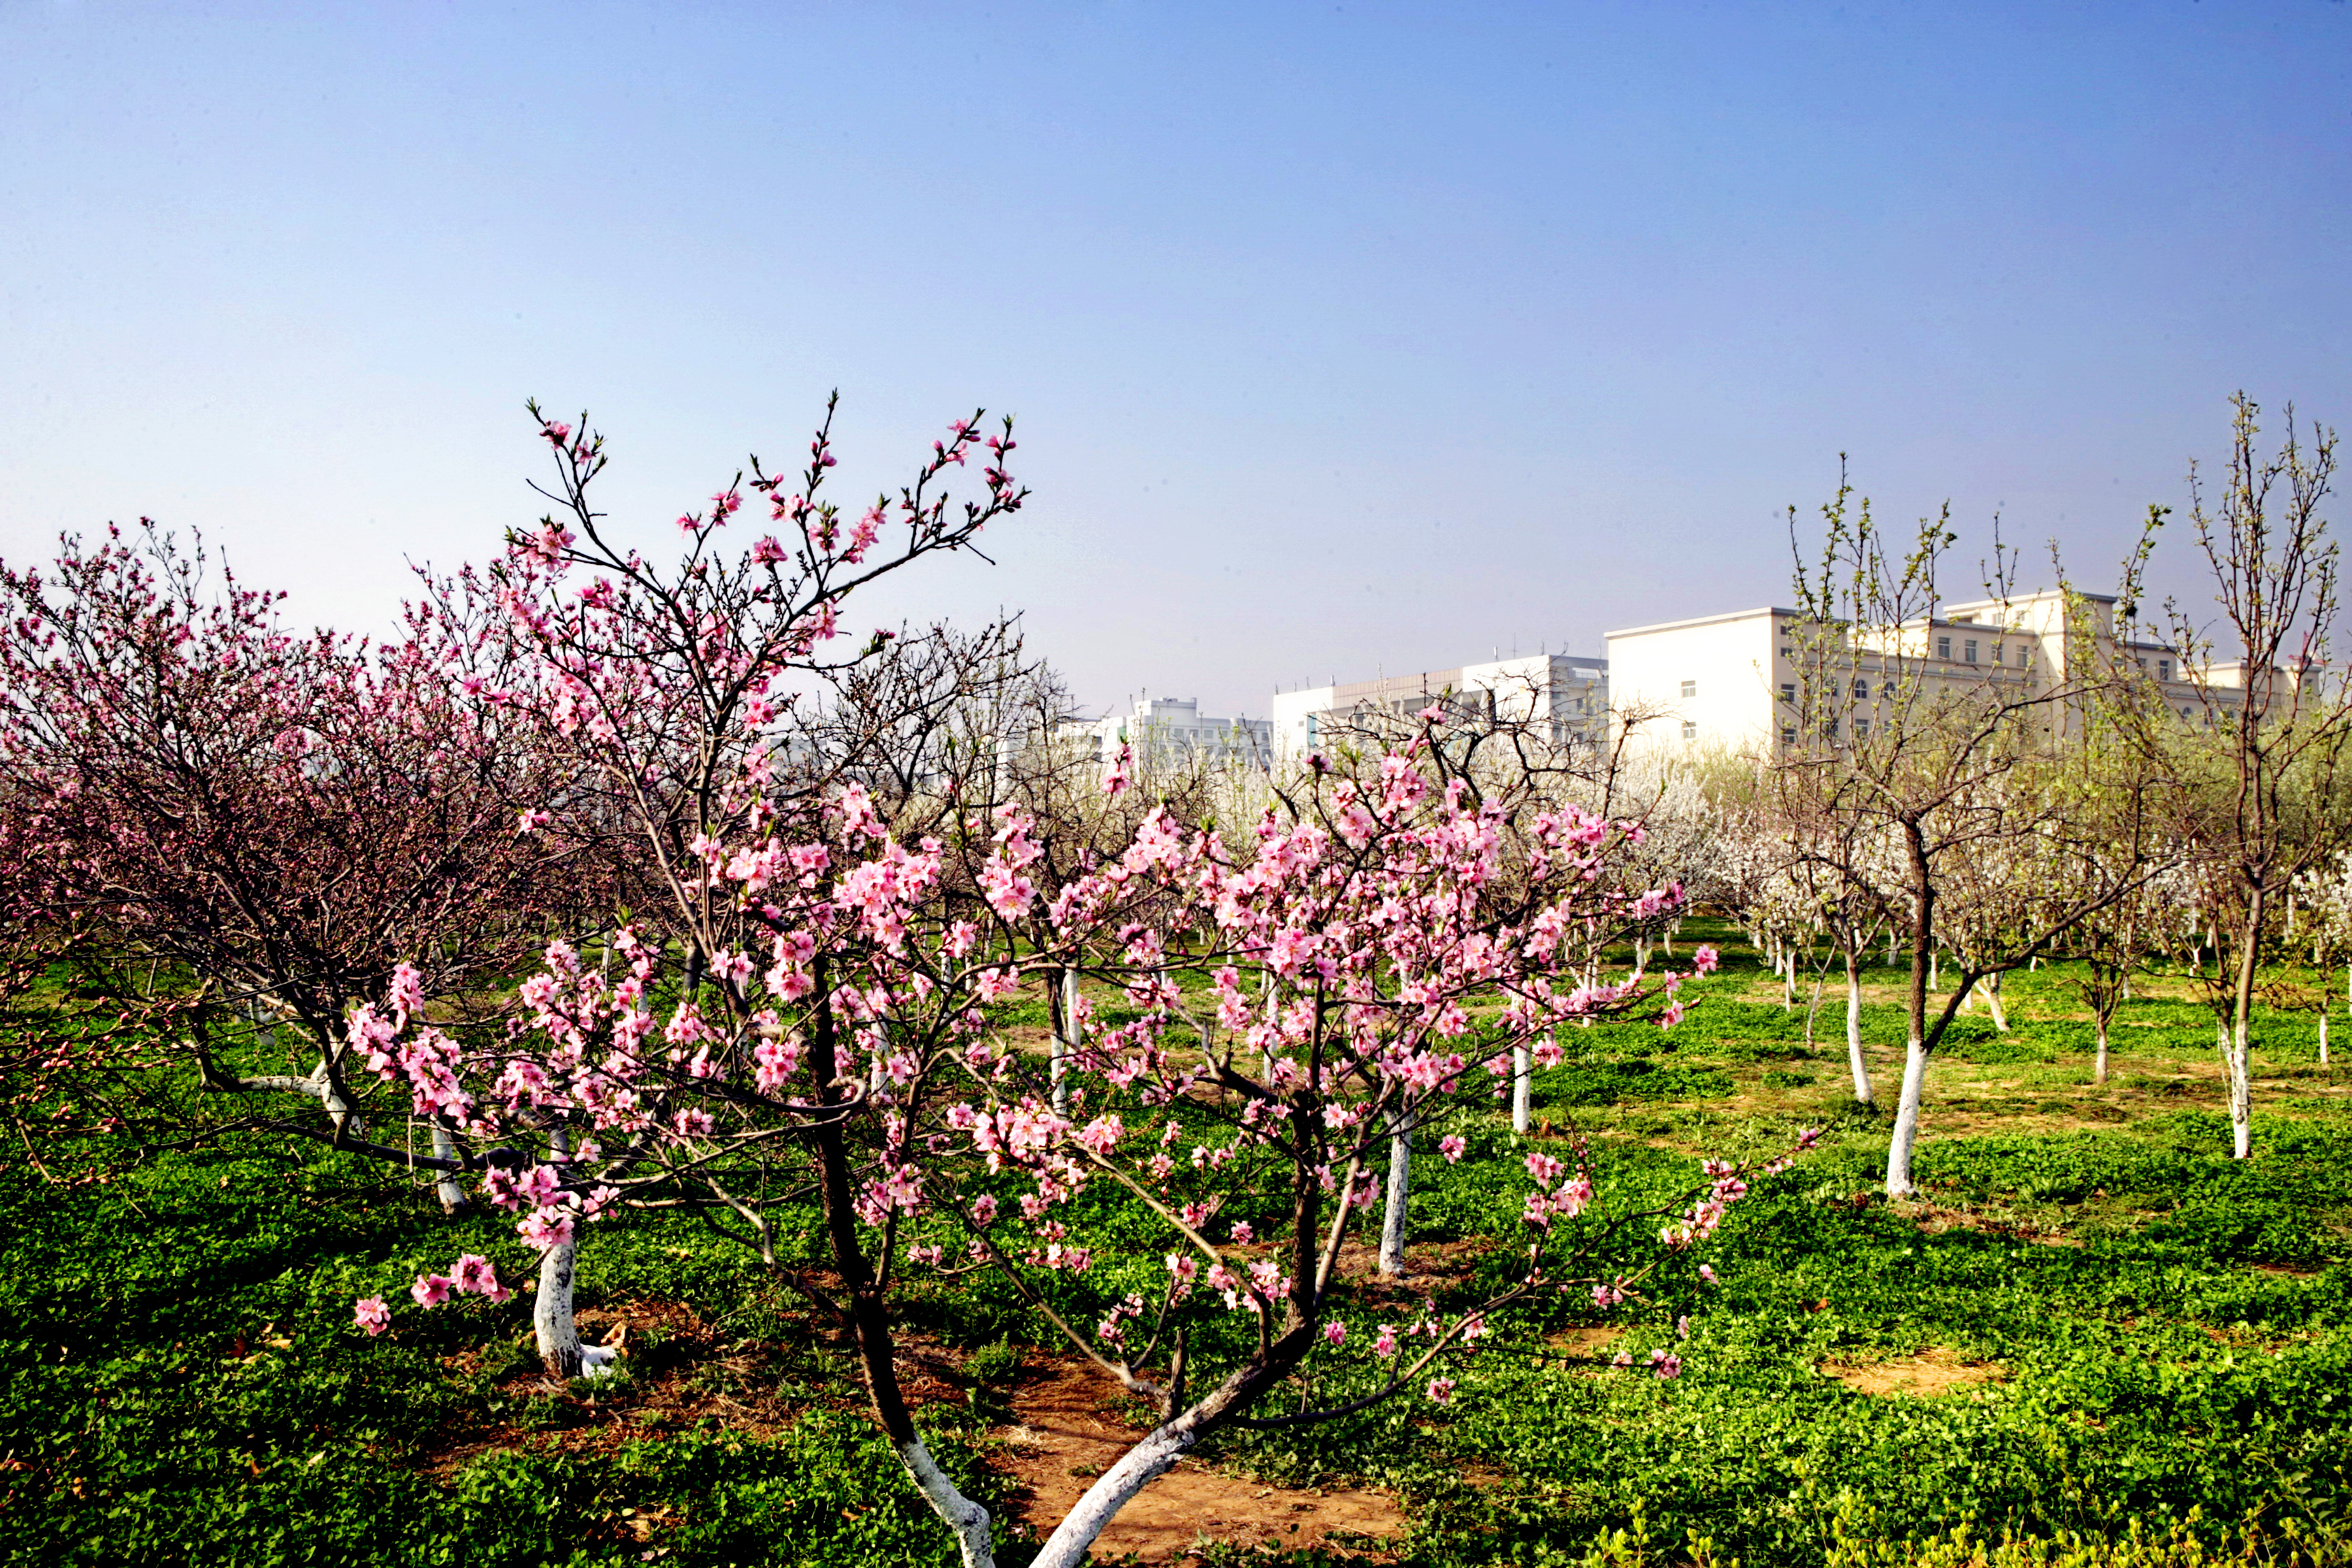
<point x="1135" y="1469"/>
<point x="1906" y="1122"/>
<point x="1523" y="1086"/>
<point x="1854" y="1058"/>
<point x="1992" y="989"/>
<point x="2240" y="1054"/>
<point x="1392" y="1216"/>
<point x="2323" y="1036"/>
<point x="1915" y="1051"/>
<point x="966" y="1517"/>
<point x="862" y="1304"/>
<point x="446" y="1188"/>
<point x="2242" y="1093"/>
<point x="558" y="1335"/>
<point x="1066" y="1031"/>
<point x="2099" y="1072"/>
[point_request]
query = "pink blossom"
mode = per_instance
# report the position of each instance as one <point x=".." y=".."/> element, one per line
<point x="1441" y="1390"/>
<point x="430" y="1289"/>
<point x="371" y="1314"/>
<point x="1705" y="960"/>
<point x="1336" y="1332"/>
<point x="1243" y="1232"/>
<point x="1453" y="1146"/>
<point x="1384" y="1343"/>
<point x="1665" y="1365"/>
<point x="547" y="1230"/>
<point x="1706" y="1274"/>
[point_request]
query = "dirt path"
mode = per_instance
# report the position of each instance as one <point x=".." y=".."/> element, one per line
<point x="1067" y="1431"/>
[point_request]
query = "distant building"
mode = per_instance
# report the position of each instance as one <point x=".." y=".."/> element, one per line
<point x="1732" y="680"/>
<point x="1171" y="731"/>
<point x="1567" y="696"/>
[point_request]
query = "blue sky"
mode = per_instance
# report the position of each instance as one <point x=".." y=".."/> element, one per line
<point x="1341" y="337"/>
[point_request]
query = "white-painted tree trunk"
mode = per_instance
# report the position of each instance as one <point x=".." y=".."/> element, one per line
<point x="1523" y="1086"/>
<point x="559" y="1349"/>
<point x="1854" y="1058"/>
<point x="2099" y="1071"/>
<point x="1066" y="1030"/>
<point x="2323" y="1036"/>
<point x="343" y="1116"/>
<point x="1907" y="1122"/>
<point x="446" y="1185"/>
<point x="2239" y="1057"/>
<point x="1136" y="1468"/>
<point x="1392" y="1216"/>
<point x="966" y="1517"/>
<point x="553" y="1324"/>
<point x="1991" y="988"/>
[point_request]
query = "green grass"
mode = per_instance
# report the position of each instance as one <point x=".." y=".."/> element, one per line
<point x="2156" y="1335"/>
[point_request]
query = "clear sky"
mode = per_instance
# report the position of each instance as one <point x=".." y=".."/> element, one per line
<point x="1341" y="337"/>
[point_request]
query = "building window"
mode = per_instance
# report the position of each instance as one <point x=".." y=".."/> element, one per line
<point x="1886" y="688"/>
<point x="2164" y="669"/>
<point x="1943" y="648"/>
<point x="2185" y="714"/>
<point x="1690" y="688"/>
<point x="1971" y="646"/>
<point x="1996" y="653"/>
<point x="1861" y="728"/>
<point x="1787" y="734"/>
<point x="1861" y="687"/>
<point x="1784" y="651"/>
<point x="1788" y="694"/>
<point x="1690" y="730"/>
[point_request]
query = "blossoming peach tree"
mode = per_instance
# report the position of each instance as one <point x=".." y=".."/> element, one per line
<point x="823" y="1023"/>
<point x="233" y="831"/>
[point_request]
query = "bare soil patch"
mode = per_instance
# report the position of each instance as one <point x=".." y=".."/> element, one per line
<point x="1068" y="1429"/>
<point x="1931" y="1372"/>
<point x="681" y="1374"/>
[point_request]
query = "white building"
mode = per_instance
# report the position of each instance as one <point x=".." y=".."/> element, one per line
<point x="1165" y="730"/>
<point x="1731" y="680"/>
<point x="1571" y="693"/>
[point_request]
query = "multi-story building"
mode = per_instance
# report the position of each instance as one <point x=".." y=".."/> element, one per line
<point x="1733" y="680"/>
<point x="1568" y="695"/>
<point x="1171" y="731"/>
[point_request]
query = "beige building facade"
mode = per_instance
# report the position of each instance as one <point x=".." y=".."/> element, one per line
<point x="1753" y="678"/>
